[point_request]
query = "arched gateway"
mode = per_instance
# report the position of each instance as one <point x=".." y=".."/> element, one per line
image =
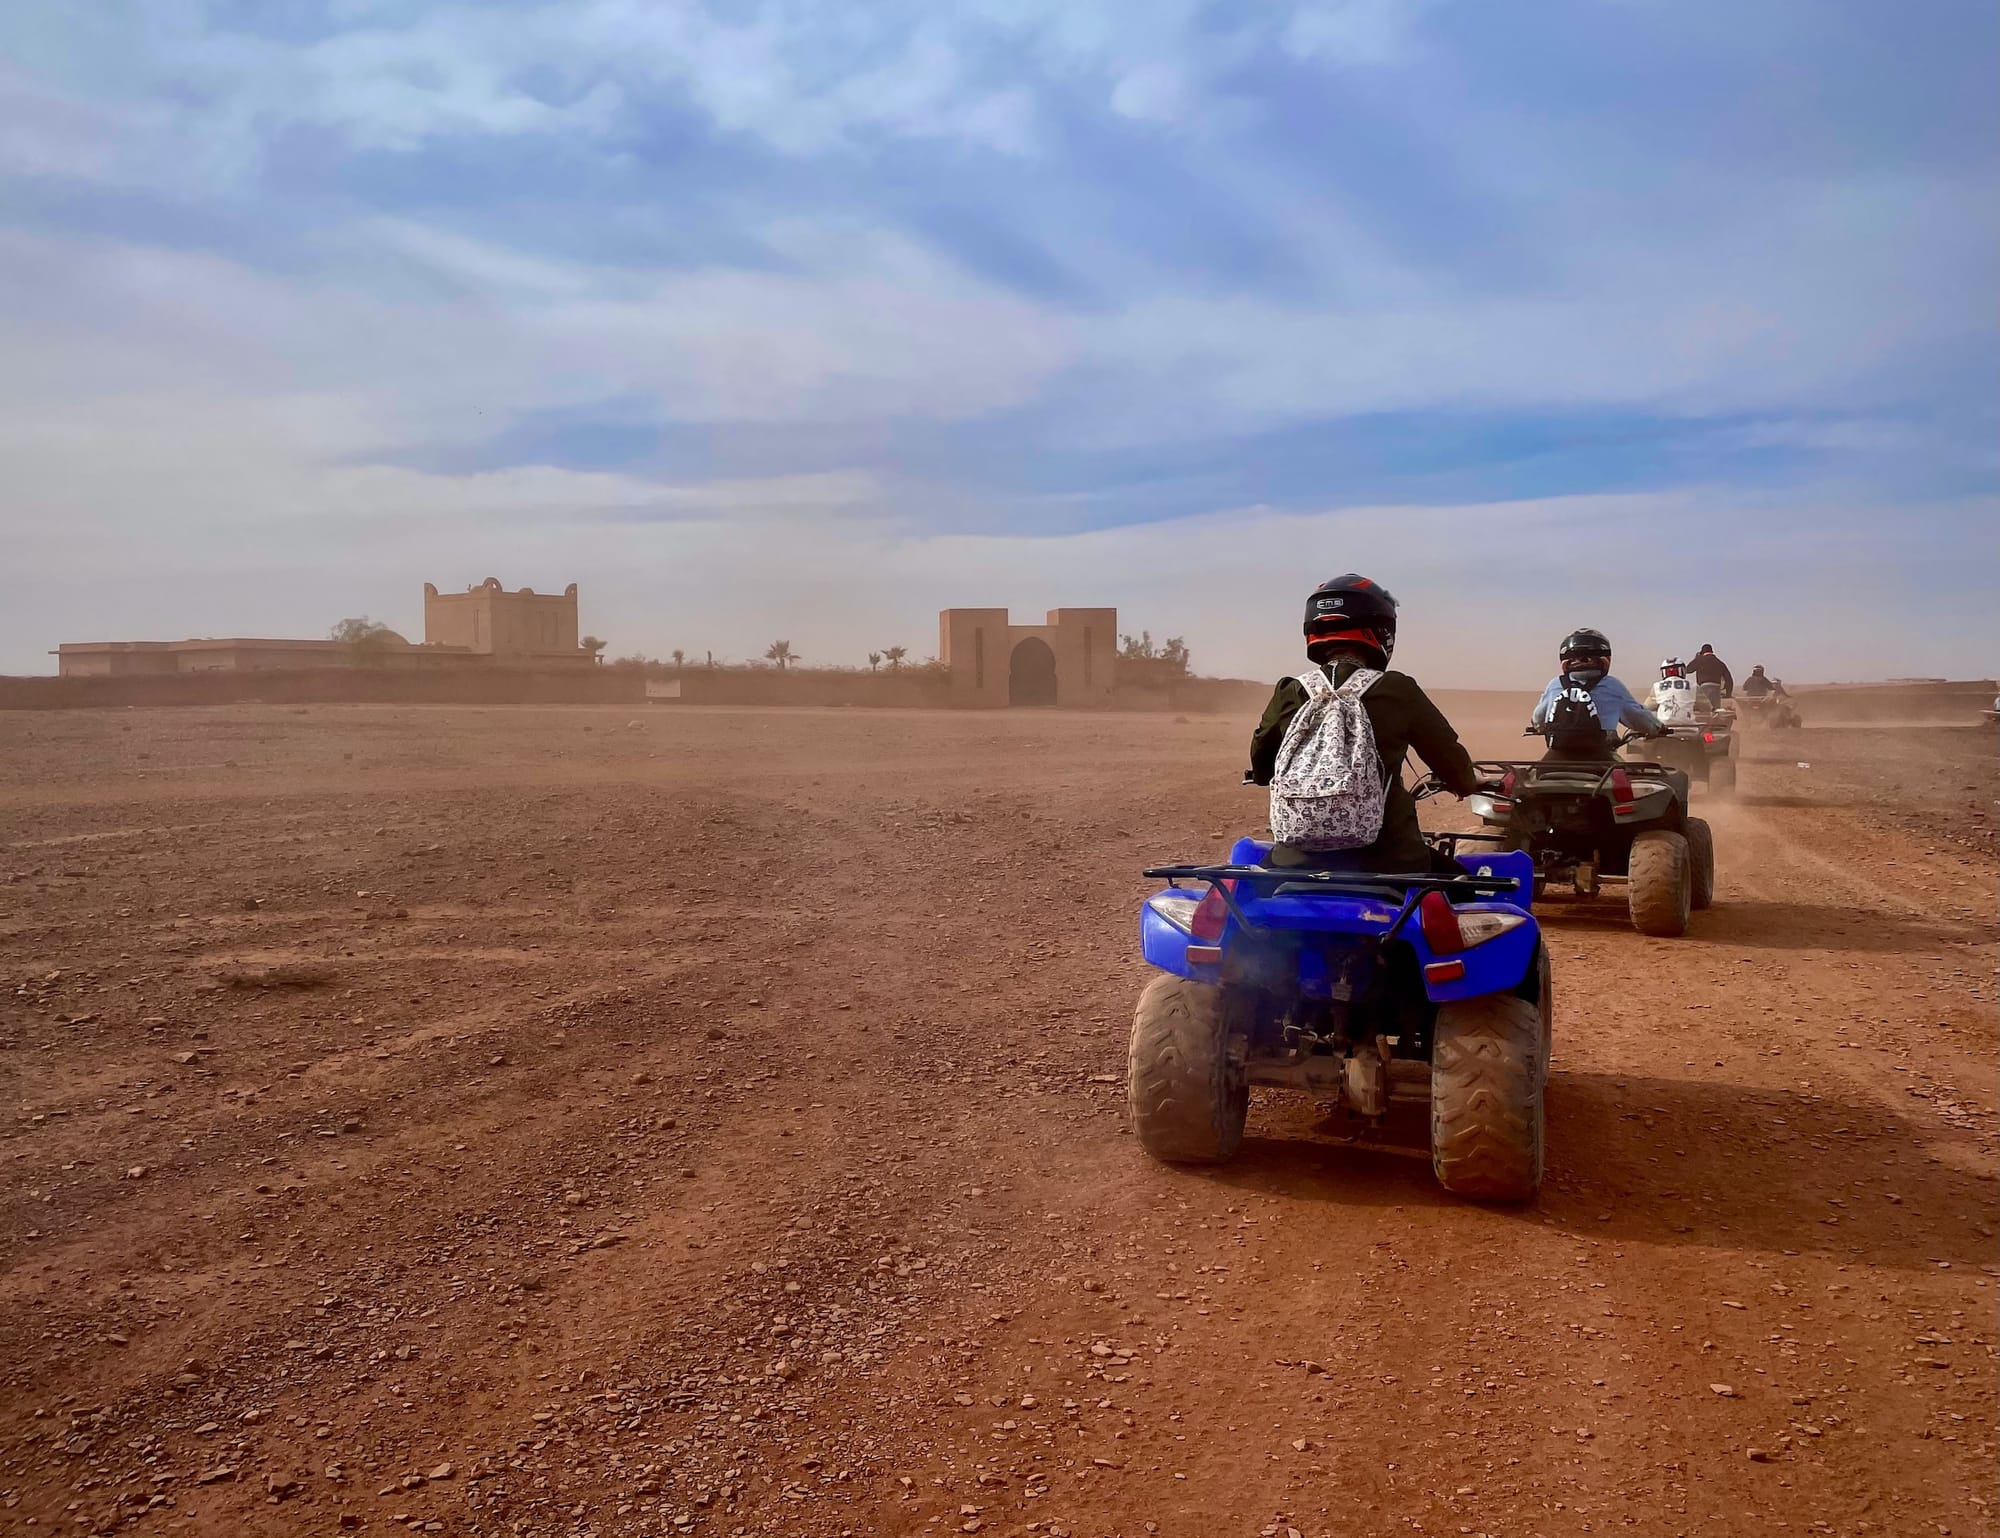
<point x="1067" y="660"/>
<point x="1031" y="673"/>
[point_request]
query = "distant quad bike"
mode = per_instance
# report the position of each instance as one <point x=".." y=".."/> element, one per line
<point x="1586" y="824"/>
<point x="1703" y="749"/>
<point x="1773" y="710"/>
<point x="1363" y="988"/>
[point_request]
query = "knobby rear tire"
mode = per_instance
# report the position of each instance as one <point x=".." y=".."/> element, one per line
<point x="1489" y="1065"/>
<point x="1701" y="859"/>
<point x="1660" y="886"/>
<point x="1189" y="1098"/>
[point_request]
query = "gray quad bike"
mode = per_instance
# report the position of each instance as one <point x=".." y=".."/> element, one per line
<point x="1590" y="824"/>
<point x="1704" y="750"/>
<point x="1774" y="710"/>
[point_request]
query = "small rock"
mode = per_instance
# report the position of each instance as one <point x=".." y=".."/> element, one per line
<point x="442" y="1471"/>
<point x="1722" y="1389"/>
<point x="1757" y="1455"/>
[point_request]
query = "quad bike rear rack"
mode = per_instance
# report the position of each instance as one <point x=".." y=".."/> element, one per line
<point x="1603" y="782"/>
<point x="1407" y="888"/>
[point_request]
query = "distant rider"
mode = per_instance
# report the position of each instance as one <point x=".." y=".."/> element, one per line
<point x="1756" y="686"/>
<point x="1351" y="623"/>
<point x="1583" y="707"/>
<point x="1711" y="673"/>
<point x="1674" y="699"/>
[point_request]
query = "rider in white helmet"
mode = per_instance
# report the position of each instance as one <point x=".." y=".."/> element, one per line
<point x="1674" y="698"/>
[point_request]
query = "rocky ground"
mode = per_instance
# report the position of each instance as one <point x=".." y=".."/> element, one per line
<point x="547" y="1121"/>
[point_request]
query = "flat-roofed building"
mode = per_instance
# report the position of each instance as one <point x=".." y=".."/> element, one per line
<point x="484" y="626"/>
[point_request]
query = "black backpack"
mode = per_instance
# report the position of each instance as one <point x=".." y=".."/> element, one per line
<point x="1573" y="723"/>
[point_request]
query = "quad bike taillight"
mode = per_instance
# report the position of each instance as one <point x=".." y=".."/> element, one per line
<point x="1621" y="788"/>
<point x="1211" y="915"/>
<point x="1439" y="921"/>
<point x="1449" y="932"/>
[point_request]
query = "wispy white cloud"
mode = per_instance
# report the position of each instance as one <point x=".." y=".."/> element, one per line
<point x="799" y="77"/>
<point x="1355" y="32"/>
<point x="875" y="329"/>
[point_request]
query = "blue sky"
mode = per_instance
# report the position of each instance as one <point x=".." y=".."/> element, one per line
<point x="762" y="319"/>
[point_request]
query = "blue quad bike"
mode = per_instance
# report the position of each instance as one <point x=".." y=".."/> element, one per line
<point x="1364" y="988"/>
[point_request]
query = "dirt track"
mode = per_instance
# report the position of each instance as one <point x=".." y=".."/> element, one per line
<point x="715" y="1125"/>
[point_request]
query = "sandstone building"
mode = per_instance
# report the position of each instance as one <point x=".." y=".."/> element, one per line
<point x="484" y="626"/>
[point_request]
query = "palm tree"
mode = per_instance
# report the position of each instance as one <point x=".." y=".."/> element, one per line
<point x="895" y="654"/>
<point x="781" y="653"/>
<point x="874" y="661"/>
<point x="679" y="656"/>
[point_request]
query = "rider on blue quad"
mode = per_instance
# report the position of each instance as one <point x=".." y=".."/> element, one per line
<point x="1583" y="707"/>
<point x="1351" y="623"/>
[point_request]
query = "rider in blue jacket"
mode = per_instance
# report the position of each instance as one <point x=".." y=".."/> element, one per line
<point x="1583" y="707"/>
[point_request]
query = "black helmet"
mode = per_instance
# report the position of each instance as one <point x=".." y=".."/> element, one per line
<point x="1579" y="644"/>
<point x="1354" y="610"/>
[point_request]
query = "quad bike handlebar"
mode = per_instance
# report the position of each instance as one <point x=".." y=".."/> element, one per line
<point x="1625" y="738"/>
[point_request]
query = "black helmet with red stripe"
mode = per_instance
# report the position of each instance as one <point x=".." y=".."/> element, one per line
<point x="1352" y="611"/>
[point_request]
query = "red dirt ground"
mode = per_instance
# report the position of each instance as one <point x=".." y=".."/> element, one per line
<point x="543" y="1121"/>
